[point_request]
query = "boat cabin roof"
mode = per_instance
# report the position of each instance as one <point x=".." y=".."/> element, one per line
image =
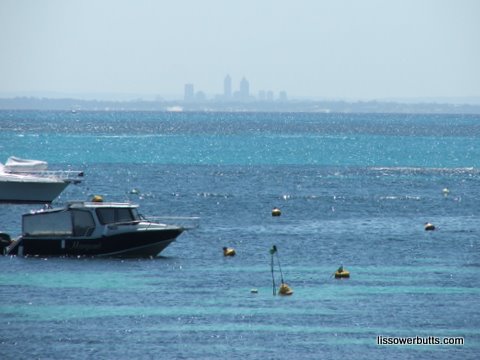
<point x="93" y="204"/>
<point x="85" y="205"/>
<point x="77" y="218"/>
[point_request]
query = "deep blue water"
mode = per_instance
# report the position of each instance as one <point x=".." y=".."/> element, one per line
<point x="353" y="190"/>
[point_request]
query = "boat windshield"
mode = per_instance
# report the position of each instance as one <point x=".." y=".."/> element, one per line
<point x="83" y="223"/>
<point x="117" y="215"/>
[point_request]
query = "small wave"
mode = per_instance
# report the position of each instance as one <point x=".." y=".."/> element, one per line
<point x="474" y="265"/>
<point x="27" y="135"/>
<point x="127" y="136"/>
<point x="403" y="197"/>
<point x="203" y="194"/>
<point x="311" y="197"/>
<point x="214" y="195"/>
<point x="423" y="170"/>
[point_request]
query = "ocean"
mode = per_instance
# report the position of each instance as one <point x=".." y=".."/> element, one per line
<point x="354" y="190"/>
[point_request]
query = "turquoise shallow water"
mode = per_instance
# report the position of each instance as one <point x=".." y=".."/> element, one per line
<point x="353" y="189"/>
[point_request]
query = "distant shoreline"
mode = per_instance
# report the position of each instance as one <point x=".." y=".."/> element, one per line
<point x="311" y="106"/>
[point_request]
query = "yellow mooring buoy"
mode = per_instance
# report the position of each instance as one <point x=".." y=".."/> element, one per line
<point x="276" y="211"/>
<point x="97" y="198"/>
<point x="429" y="227"/>
<point x="228" y="251"/>
<point x="284" y="289"/>
<point x="342" y="273"/>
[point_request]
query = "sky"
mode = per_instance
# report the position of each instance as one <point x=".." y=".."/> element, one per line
<point x="319" y="49"/>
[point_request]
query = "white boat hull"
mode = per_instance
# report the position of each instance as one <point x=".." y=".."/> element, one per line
<point x="30" y="192"/>
<point x="29" y="181"/>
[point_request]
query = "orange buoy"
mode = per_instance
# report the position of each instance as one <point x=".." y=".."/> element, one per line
<point x="228" y="251"/>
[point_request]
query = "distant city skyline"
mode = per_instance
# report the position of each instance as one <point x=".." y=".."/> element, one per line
<point x="241" y="95"/>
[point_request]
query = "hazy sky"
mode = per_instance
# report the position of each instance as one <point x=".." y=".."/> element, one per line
<point x="326" y="49"/>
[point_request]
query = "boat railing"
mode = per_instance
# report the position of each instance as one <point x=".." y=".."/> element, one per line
<point x="114" y="225"/>
<point x="186" y="222"/>
<point x="66" y="175"/>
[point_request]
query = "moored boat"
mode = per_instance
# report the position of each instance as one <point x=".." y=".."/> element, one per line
<point x="29" y="181"/>
<point x="93" y="228"/>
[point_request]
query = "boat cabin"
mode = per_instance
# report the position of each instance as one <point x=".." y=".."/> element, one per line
<point x="78" y="219"/>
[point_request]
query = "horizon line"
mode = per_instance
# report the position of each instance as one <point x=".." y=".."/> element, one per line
<point x="218" y="98"/>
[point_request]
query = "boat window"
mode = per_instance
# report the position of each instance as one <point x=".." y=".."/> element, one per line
<point x="135" y="214"/>
<point x="123" y="215"/>
<point x="118" y="215"/>
<point x="83" y="223"/>
<point x="106" y="216"/>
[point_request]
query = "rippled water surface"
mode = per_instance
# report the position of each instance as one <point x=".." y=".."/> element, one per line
<point x="353" y="190"/>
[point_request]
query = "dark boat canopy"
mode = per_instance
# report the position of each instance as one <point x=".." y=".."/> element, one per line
<point x="56" y="223"/>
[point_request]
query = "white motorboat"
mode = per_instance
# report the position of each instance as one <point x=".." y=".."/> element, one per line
<point x="95" y="228"/>
<point x="30" y="181"/>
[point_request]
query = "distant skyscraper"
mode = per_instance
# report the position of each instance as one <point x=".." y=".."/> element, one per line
<point x="282" y="96"/>
<point x="244" y="89"/>
<point x="227" y="87"/>
<point x="262" y="95"/>
<point x="269" y="95"/>
<point x="200" y="96"/>
<point x="189" y="94"/>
